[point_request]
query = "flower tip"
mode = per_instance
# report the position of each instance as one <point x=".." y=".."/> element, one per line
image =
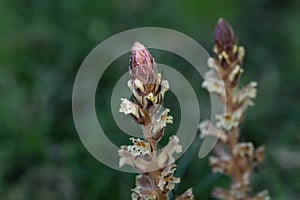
<point x="223" y="25"/>
<point x="141" y="64"/>
<point x="224" y="35"/>
<point x="221" y="21"/>
<point x="137" y="46"/>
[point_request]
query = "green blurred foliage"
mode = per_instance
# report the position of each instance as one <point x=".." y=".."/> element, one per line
<point x="42" y="44"/>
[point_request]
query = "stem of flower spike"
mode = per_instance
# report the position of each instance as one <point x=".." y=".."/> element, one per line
<point x="156" y="173"/>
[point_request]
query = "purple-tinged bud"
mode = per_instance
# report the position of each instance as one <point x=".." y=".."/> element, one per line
<point x="141" y="64"/>
<point x="224" y="37"/>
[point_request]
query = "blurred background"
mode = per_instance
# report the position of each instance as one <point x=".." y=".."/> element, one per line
<point x="43" y="43"/>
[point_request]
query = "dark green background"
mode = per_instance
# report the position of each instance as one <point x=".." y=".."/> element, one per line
<point x="42" y="44"/>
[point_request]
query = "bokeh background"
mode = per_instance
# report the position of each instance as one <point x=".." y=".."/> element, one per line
<point x="43" y="43"/>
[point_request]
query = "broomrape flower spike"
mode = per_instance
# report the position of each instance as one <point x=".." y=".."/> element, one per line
<point x="232" y="158"/>
<point x="156" y="168"/>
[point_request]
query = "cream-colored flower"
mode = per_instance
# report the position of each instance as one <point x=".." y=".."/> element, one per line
<point x="167" y="180"/>
<point x="237" y="70"/>
<point x="213" y="83"/>
<point x="251" y="90"/>
<point x="164" y="87"/>
<point x="128" y="157"/>
<point x="153" y="98"/>
<point x="243" y="149"/>
<point x="139" y="147"/>
<point x="208" y="129"/>
<point x="137" y="162"/>
<point x="228" y="121"/>
<point x="211" y="63"/>
<point x="246" y="94"/>
<point x="148" y="196"/>
<point x="144" y="189"/>
<point x="165" y="157"/>
<point x="128" y="107"/>
<point x="187" y="195"/>
<point x="221" y="165"/>
<point x="241" y="53"/>
<point x="259" y="155"/>
<point x="161" y="122"/>
<point x="140" y="116"/>
<point x="139" y="85"/>
<point x="130" y="84"/>
<point x="136" y="155"/>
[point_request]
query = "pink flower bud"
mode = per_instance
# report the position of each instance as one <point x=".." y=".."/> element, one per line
<point x="141" y="64"/>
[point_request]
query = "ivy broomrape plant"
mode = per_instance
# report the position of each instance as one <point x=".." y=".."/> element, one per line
<point x="155" y="167"/>
<point x="232" y="158"/>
